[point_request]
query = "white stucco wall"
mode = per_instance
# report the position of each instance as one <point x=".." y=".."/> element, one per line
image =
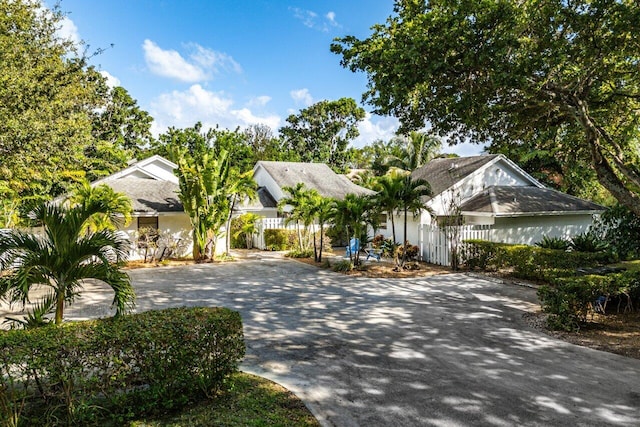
<point x="176" y="224"/>
<point x="529" y="230"/>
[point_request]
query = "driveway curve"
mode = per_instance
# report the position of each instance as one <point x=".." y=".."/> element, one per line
<point x="449" y="350"/>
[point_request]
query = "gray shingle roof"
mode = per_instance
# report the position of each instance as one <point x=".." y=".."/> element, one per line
<point x="148" y="195"/>
<point x="318" y="176"/>
<point x="443" y="173"/>
<point x="264" y="200"/>
<point x="519" y="200"/>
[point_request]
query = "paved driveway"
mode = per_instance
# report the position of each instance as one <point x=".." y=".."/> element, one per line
<point x="445" y="350"/>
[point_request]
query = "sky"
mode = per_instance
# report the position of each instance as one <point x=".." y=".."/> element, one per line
<point x="230" y="63"/>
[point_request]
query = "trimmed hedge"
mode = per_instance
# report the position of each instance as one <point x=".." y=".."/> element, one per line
<point x="528" y="262"/>
<point x="117" y="368"/>
<point x="279" y="239"/>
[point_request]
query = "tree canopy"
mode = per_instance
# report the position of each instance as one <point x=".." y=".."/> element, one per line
<point x="321" y="133"/>
<point x="553" y="74"/>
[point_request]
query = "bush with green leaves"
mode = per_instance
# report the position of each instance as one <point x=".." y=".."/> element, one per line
<point x="111" y="370"/>
<point x="528" y="262"/>
<point x="588" y="242"/>
<point x="619" y="228"/>
<point x="569" y="300"/>
<point x="297" y="253"/>
<point x="557" y="243"/>
<point x="280" y="239"/>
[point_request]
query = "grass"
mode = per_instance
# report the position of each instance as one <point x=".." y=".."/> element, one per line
<point x="251" y="401"/>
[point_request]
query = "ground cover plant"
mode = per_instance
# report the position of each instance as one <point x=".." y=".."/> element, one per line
<point x="113" y="370"/>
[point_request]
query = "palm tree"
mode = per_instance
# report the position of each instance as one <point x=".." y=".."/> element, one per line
<point x="354" y="213"/>
<point x="240" y="187"/>
<point x="419" y="149"/>
<point x="118" y="211"/>
<point x="298" y="200"/>
<point x="63" y="257"/>
<point x="389" y="187"/>
<point x="320" y="210"/>
<point x="410" y="201"/>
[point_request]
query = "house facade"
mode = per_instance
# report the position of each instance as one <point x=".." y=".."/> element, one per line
<point x="493" y="195"/>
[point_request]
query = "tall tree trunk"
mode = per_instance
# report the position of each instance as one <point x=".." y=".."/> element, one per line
<point x="59" y="303"/>
<point x="404" y="244"/>
<point x="227" y="237"/>
<point x="393" y="228"/>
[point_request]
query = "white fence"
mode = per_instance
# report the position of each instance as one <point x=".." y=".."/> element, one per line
<point x="272" y="224"/>
<point x="436" y="248"/>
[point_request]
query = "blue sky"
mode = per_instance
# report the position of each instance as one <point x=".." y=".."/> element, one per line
<point x="230" y="62"/>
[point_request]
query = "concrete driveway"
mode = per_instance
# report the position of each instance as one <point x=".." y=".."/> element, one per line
<point x="447" y="350"/>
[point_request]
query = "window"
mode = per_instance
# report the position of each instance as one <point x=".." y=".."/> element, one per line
<point x="383" y="222"/>
<point x="148" y="222"/>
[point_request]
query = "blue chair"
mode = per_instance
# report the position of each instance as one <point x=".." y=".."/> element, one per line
<point x="354" y="247"/>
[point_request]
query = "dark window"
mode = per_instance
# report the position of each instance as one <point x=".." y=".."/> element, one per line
<point x="147" y="230"/>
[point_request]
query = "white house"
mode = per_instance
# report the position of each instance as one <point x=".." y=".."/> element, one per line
<point x="498" y="202"/>
<point x="153" y="189"/>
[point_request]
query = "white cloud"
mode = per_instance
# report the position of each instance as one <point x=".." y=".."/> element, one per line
<point x="312" y="20"/>
<point x="69" y="31"/>
<point x="112" y="81"/>
<point x="184" y="108"/>
<point x="169" y="63"/>
<point x="302" y="96"/>
<point x="259" y="101"/>
<point x="200" y="64"/>
<point x="373" y="128"/>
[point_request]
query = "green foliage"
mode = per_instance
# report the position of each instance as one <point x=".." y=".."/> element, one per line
<point x="528" y="262"/>
<point x="87" y="373"/>
<point x="353" y="214"/>
<point x="619" y="228"/>
<point x="63" y="257"/>
<point x="307" y="253"/>
<point x="321" y="133"/>
<point x="516" y="82"/>
<point x="243" y="228"/>
<point x="557" y="243"/>
<point x="407" y="251"/>
<point x="588" y="242"/>
<point x="118" y="208"/>
<point x="205" y="179"/>
<point x="279" y="239"/>
<point x="387" y="247"/>
<point x="343" y="266"/>
<point x="569" y="300"/>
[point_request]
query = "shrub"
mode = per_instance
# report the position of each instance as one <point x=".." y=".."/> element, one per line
<point x="386" y="246"/>
<point x="557" y="243"/>
<point x="620" y="228"/>
<point x="588" y="242"/>
<point x="297" y="253"/>
<point x="87" y="372"/>
<point x="343" y="266"/>
<point x="412" y="251"/>
<point x="280" y="239"/>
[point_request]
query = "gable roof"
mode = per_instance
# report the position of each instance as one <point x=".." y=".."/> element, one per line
<point x="526" y="200"/>
<point x="318" y="176"/>
<point x="148" y="195"/>
<point x="443" y="173"/>
<point x="154" y="167"/>
<point x="263" y="200"/>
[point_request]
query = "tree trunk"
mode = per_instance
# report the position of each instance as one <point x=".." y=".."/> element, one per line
<point x="404" y="244"/>
<point x="59" y="304"/>
<point x="321" y="241"/>
<point x="393" y="228"/>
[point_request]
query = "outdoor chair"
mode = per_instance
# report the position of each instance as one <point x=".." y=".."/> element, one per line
<point x="373" y="253"/>
<point x="353" y="248"/>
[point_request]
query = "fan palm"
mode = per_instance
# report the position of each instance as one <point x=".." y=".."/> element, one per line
<point x="63" y="257"/>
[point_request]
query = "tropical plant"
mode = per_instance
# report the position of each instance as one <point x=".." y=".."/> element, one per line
<point x="410" y="198"/>
<point x="241" y="187"/>
<point x="298" y="208"/>
<point x="557" y="243"/>
<point x="321" y="209"/>
<point x="417" y="149"/>
<point x="63" y="257"/>
<point x="118" y="205"/>
<point x="587" y="242"/>
<point x="204" y="179"/>
<point x="248" y="226"/>
<point x="388" y="188"/>
<point x="354" y="213"/>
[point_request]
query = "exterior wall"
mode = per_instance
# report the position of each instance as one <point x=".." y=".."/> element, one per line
<point x="263" y="179"/>
<point x="162" y="171"/>
<point x="497" y="174"/>
<point x="176" y="225"/>
<point x="529" y="230"/>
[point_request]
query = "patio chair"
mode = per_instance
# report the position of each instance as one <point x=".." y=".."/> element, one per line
<point x="373" y="253"/>
<point x="353" y="248"/>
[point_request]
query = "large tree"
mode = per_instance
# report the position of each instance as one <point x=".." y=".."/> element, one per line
<point x="46" y="95"/>
<point x="552" y="73"/>
<point x="63" y="257"/>
<point x="321" y="132"/>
